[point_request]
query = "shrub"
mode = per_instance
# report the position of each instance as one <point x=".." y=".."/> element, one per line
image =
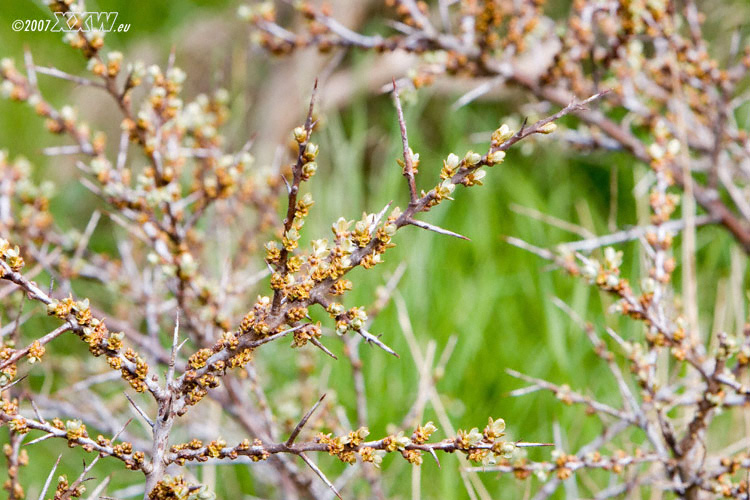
<point x="639" y="78"/>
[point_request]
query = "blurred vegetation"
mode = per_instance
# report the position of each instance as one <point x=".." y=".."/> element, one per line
<point x="494" y="297"/>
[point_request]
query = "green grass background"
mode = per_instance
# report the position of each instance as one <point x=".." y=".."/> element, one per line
<point x="494" y="297"/>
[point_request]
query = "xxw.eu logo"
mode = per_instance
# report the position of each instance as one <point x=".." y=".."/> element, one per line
<point x="87" y="21"/>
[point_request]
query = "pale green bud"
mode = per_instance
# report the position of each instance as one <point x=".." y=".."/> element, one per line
<point x="472" y="158"/>
<point x="548" y="128"/>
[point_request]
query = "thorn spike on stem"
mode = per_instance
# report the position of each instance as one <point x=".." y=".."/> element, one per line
<point x="434" y="455"/>
<point x="323" y="348"/>
<point x="372" y="339"/>
<point x="303" y="421"/>
<point x="320" y="474"/>
<point x="408" y="163"/>
<point x="436" y="229"/>
<point x="49" y="478"/>
<point x="140" y="412"/>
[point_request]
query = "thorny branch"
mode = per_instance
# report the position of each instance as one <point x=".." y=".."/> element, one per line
<point x="173" y="235"/>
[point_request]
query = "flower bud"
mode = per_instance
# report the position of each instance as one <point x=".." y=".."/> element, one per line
<point x="673" y="147"/>
<point x="309" y="169"/>
<point x="548" y="128"/>
<point x="496" y="157"/>
<point x="502" y="134"/>
<point x="6" y="64"/>
<point x="335" y="309"/>
<point x="245" y="12"/>
<point x="612" y="280"/>
<point x="655" y="151"/>
<point x="300" y="134"/>
<point x="472" y="158"/>
<point x="452" y="161"/>
<point x="311" y="151"/>
<point x="507" y="449"/>
<point x="474" y="436"/>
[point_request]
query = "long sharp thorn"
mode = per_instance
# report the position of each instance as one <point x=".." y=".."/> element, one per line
<point x="37" y="412"/>
<point x="6" y="387"/>
<point x="140" y="412"/>
<point x="40" y="439"/>
<point x="320" y="475"/>
<point x="524" y="444"/>
<point x="49" y="478"/>
<point x="372" y="339"/>
<point x="100" y="488"/>
<point x="173" y="355"/>
<point x="408" y="164"/>
<point x="437" y="229"/>
<point x="303" y="421"/>
<point x="323" y="348"/>
<point x="434" y="455"/>
<point x="379" y="217"/>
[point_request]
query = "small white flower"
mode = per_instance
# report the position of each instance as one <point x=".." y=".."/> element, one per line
<point x="590" y="269"/>
<point x="507" y="449"/>
<point x="292" y="235"/>
<point x="496" y="157"/>
<point x="474" y="436"/>
<point x="673" y="147"/>
<point x="245" y="12"/>
<point x="6" y="64"/>
<point x="497" y="426"/>
<point x="246" y="159"/>
<point x="612" y="258"/>
<point x="6" y="88"/>
<point x="320" y="248"/>
<point x="472" y="158"/>
<point x="311" y="151"/>
<point x="137" y="69"/>
<point x="452" y="161"/>
<point x="221" y="96"/>
<point x="309" y="168"/>
<point x="154" y="71"/>
<point x="73" y="425"/>
<point x="341" y="226"/>
<point x="612" y="280"/>
<point x="114" y="56"/>
<point x="503" y="133"/>
<point x="68" y="113"/>
<point x="300" y="134"/>
<point x="445" y="188"/>
<point x="347" y="246"/>
<point x="655" y="151"/>
<point x="401" y="440"/>
<point x="429" y="427"/>
<point x="176" y="75"/>
<point x="99" y="165"/>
